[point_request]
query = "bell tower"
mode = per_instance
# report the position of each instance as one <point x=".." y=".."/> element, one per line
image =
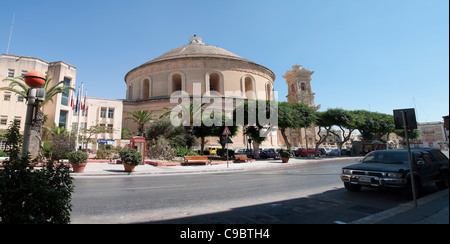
<point x="298" y="81"/>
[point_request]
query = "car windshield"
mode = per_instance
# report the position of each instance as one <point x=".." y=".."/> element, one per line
<point x="386" y="157"/>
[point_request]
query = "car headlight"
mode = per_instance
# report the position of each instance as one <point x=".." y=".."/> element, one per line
<point x="394" y="175"/>
<point x="346" y="171"/>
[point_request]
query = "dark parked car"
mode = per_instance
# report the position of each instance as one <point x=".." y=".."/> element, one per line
<point x="390" y="169"/>
<point x="269" y="153"/>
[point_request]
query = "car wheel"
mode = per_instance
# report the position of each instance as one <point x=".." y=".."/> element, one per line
<point x="407" y="191"/>
<point x="445" y="181"/>
<point x="352" y="187"/>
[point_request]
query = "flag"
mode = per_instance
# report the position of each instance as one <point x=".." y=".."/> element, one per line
<point x="77" y="105"/>
<point x="72" y="103"/>
<point x="84" y="106"/>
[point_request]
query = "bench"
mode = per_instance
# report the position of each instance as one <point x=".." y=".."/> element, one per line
<point x="240" y="158"/>
<point x="196" y="160"/>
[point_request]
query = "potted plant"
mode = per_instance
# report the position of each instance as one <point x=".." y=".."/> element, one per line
<point x="78" y="160"/>
<point x="130" y="158"/>
<point x="285" y="154"/>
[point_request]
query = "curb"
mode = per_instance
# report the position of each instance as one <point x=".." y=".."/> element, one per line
<point x="209" y="168"/>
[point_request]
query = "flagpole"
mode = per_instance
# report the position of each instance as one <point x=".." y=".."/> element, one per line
<point x="78" y="114"/>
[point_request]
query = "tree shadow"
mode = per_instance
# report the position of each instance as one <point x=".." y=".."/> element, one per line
<point x="323" y="208"/>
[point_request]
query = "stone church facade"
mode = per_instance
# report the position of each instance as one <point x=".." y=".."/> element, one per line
<point x="215" y="73"/>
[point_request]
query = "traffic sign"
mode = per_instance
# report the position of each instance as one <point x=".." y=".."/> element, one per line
<point x="226" y="131"/>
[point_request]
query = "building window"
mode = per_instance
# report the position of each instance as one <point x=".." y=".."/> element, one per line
<point x="303" y="86"/>
<point x="19" y="98"/>
<point x="65" y="94"/>
<point x="146" y="89"/>
<point x="103" y="113"/>
<point x="24" y="72"/>
<point x="111" y="113"/>
<point x="130" y="91"/>
<point x="62" y="119"/>
<point x="3" y="120"/>
<point x="214" y="82"/>
<point x="249" y="89"/>
<point x="268" y="92"/>
<point x="7" y="96"/>
<point x="10" y="73"/>
<point x="176" y="83"/>
<point x="18" y="118"/>
<point x="75" y="125"/>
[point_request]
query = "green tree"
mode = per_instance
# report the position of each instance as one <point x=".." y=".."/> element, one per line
<point x="323" y="120"/>
<point x="373" y="125"/>
<point x="344" y="120"/>
<point x="247" y="114"/>
<point x="294" y="116"/>
<point x="141" y="117"/>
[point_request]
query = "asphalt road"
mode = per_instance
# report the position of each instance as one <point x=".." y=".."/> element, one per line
<point x="303" y="194"/>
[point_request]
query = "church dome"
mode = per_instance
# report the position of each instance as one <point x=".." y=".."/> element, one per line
<point x="213" y="67"/>
<point x="197" y="48"/>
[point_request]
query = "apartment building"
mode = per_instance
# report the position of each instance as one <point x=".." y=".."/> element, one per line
<point x="98" y="112"/>
<point x="13" y="106"/>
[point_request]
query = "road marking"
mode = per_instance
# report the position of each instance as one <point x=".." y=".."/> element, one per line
<point x="339" y="222"/>
<point x="259" y="179"/>
<point x="131" y="188"/>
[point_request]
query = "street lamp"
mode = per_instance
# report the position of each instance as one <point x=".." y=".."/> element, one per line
<point x="35" y="95"/>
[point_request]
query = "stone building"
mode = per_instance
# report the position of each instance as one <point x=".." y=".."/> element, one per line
<point x="107" y="112"/>
<point x="197" y="68"/>
<point x="298" y="81"/>
<point x="13" y="107"/>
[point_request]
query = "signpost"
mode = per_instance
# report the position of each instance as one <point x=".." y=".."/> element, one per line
<point x="406" y="119"/>
<point x="226" y="132"/>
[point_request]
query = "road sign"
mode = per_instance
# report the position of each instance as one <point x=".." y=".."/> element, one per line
<point x="226" y="131"/>
<point x="406" y="119"/>
<point x="410" y="119"/>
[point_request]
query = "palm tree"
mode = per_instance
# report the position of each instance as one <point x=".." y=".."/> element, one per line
<point x="186" y="114"/>
<point x="18" y="86"/>
<point x="141" y="117"/>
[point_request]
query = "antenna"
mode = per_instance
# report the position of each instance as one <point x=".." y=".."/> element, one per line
<point x="417" y="114"/>
<point x="10" y="32"/>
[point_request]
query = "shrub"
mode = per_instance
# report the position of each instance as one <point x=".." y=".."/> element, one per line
<point x="160" y="149"/>
<point x="47" y="148"/>
<point x="286" y="153"/>
<point x="130" y="157"/>
<point x="61" y="145"/>
<point x="182" y="151"/>
<point x="107" y="154"/>
<point x="33" y="196"/>
<point x="77" y="157"/>
<point x="222" y="152"/>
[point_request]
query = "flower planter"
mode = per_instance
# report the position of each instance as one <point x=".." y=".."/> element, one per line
<point x="284" y="160"/>
<point x="78" y="168"/>
<point x="128" y="168"/>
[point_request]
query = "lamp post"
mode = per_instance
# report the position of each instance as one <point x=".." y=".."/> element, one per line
<point x="35" y="95"/>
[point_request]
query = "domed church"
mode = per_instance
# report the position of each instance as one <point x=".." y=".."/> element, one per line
<point x="216" y="71"/>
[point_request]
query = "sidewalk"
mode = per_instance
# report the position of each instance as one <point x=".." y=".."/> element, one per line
<point x="112" y="169"/>
<point x="432" y="209"/>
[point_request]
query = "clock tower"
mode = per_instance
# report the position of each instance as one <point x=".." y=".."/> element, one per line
<point x="299" y="86"/>
<point x="298" y="81"/>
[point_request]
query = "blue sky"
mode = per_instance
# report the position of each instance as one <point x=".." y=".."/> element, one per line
<point x="374" y="55"/>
